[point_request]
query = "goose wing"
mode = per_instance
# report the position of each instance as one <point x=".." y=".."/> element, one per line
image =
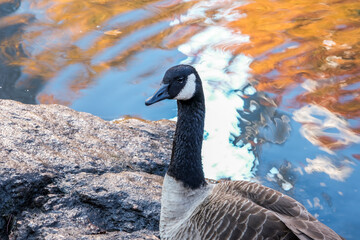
<point x="245" y="210"/>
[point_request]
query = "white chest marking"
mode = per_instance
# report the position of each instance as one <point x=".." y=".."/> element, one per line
<point x="189" y="89"/>
<point x="177" y="205"/>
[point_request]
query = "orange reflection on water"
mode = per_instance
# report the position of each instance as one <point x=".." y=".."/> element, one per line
<point x="312" y="43"/>
<point x="68" y="32"/>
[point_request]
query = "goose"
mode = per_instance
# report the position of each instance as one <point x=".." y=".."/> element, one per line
<point x="196" y="209"/>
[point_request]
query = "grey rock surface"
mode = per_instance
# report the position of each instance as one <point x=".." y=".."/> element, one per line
<point x="71" y="175"/>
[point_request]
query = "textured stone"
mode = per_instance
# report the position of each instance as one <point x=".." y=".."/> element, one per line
<point x="71" y="175"/>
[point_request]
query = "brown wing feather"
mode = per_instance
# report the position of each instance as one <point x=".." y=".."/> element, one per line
<point x="224" y="217"/>
<point x="245" y="210"/>
<point x="292" y="213"/>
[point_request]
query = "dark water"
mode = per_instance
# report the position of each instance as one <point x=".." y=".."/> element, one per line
<point x="282" y="81"/>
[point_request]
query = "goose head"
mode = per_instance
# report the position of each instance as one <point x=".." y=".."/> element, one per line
<point x="180" y="82"/>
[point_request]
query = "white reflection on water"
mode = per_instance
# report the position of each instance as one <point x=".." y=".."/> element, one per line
<point x="274" y="175"/>
<point x="222" y="74"/>
<point x="326" y="165"/>
<point x="320" y="122"/>
<point x="226" y="11"/>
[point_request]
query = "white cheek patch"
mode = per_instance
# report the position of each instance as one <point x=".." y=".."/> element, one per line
<point x="189" y="89"/>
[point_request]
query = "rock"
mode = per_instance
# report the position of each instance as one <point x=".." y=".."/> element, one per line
<point x="71" y="175"/>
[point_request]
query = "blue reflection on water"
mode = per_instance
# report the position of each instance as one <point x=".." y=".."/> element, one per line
<point x="126" y="43"/>
<point x="116" y="92"/>
<point x="128" y="18"/>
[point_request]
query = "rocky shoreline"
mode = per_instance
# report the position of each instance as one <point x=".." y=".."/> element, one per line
<point x="71" y="175"/>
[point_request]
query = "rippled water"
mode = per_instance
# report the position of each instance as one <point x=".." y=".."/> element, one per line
<point x="281" y="78"/>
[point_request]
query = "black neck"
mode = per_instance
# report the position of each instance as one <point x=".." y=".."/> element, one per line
<point x="185" y="162"/>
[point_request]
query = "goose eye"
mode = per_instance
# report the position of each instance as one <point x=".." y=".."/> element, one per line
<point x="180" y="79"/>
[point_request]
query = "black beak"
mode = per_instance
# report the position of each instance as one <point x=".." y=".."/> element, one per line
<point x="161" y="94"/>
